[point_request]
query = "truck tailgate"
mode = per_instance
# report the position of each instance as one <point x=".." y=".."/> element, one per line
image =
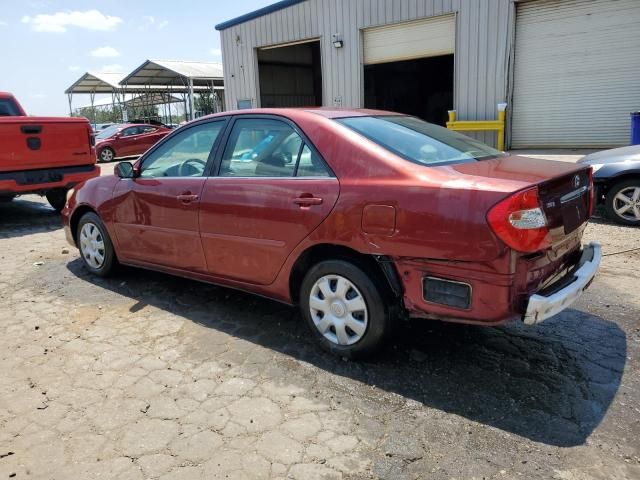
<point x="28" y="143"/>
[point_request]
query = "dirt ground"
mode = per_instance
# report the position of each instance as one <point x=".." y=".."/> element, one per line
<point x="148" y="376"/>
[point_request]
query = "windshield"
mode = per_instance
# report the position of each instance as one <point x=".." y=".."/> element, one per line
<point x="108" y="132"/>
<point x="418" y="141"/>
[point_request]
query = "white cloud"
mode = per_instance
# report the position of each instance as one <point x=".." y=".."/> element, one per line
<point x="74" y="68"/>
<point x="149" y="22"/>
<point x="216" y="52"/>
<point x="112" y="68"/>
<point x="3" y="23"/>
<point x="105" y="52"/>
<point x="60" y="21"/>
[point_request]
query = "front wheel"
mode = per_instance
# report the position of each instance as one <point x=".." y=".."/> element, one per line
<point x="95" y="245"/>
<point x="344" y="308"/>
<point x="57" y="198"/>
<point x="623" y="202"/>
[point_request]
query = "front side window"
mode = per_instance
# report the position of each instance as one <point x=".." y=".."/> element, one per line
<point x="418" y="141"/>
<point x="183" y="155"/>
<point x="130" y="131"/>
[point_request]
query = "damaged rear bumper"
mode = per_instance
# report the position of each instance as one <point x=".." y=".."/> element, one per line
<point x="567" y="290"/>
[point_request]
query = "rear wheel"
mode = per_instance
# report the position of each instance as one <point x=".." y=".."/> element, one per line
<point x="95" y="245"/>
<point x="57" y="198"/>
<point x="623" y="202"/>
<point x="106" y="155"/>
<point x="344" y="308"/>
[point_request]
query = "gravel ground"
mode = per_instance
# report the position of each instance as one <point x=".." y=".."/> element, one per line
<point x="149" y="376"/>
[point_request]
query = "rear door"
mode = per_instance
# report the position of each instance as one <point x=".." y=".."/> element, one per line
<point x="130" y="142"/>
<point x="271" y="191"/>
<point x="156" y="214"/>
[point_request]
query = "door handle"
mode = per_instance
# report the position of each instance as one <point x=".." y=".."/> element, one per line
<point x="307" y="201"/>
<point x="187" y="198"/>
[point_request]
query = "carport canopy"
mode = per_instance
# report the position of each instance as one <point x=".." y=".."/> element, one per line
<point x="94" y="82"/>
<point x="174" y="73"/>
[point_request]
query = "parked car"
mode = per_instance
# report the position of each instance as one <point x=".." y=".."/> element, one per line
<point x="376" y="216"/>
<point x="127" y="140"/>
<point x="616" y="174"/>
<point x="42" y="155"/>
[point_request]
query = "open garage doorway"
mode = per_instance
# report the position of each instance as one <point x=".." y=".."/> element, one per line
<point x="290" y="76"/>
<point x="422" y="87"/>
<point x="409" y="67"/>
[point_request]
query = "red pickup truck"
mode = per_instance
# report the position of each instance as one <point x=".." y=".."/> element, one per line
<point x="43" y="155"/>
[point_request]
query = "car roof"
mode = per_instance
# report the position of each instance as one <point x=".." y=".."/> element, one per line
<point x="326" y="112"/>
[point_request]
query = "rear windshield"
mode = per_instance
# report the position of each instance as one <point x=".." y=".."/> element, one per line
<point x="8" y="108"/>
<point x="107" y="132"/>
<point x="418" y="141"/>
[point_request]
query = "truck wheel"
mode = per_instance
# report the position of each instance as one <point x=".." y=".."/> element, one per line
<point x="623" y="202"/>
<point x="344" y="308"/>
<point x="95" y="245"/>
<point x="106" y="155"/>
<point x="57" y="198"/>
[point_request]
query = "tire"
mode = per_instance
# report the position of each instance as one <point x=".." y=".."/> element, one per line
<point x="370" y="325"/>
<point x="106" y="155"/>
<point x="95" y="246"/>
<point x="615" y="203"/>
<point x="7" y="199"/>
<point x="57" y="198"/>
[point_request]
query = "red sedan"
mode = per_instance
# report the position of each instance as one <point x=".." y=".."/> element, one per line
<point x="128" y="140"/>
<point x="359" y="217"/>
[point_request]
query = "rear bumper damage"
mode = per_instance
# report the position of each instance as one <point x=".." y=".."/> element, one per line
<point x="568" y="289"/>
<point x="472" y="293"/>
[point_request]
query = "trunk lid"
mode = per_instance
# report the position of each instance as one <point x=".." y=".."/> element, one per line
<point x="31" y="143"/>
<point x="563" y="187"/>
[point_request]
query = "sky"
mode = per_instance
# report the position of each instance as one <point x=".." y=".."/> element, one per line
<point x="47" y="45"/>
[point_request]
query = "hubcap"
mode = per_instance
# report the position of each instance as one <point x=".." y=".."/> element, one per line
<point x="92" y="245"/>
<point x="338" y="310"/>
<point x="107" y="155"/>
<point x="627" y="203"/>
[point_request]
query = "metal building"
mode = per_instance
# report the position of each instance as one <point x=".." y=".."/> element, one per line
<point x="568" y="69"/>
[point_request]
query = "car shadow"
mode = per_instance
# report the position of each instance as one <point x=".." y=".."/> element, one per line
<point x="551" y="383"/>
<point x="22" y="216"/>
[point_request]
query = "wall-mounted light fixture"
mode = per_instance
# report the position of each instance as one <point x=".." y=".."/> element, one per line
<point x="337" y="40"/>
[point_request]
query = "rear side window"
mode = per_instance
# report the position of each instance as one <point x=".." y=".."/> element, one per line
<point x="418" y="141"/>
<point x="8" y="108"/>
<point x="264" y="147"/>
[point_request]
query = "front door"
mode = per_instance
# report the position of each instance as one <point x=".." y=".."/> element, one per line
<point x="128" y="142"/>
<point x="156" y="214"/>
<point x="272" y="190"/>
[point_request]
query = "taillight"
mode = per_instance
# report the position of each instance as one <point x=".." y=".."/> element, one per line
<point x="592" y="193"/>
<point x="519" y="222"/>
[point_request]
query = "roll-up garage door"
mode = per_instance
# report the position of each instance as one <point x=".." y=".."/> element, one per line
<point x="577" y="72"/>
<point x="410" y="40"/>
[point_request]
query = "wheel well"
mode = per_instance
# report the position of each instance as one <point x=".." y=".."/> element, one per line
<point x="75" y="219"/>
<point x="319" y="253"/>
<point x="611" y="182"/>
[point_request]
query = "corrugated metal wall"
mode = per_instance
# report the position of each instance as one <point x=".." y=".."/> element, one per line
<point x="483" y="34"/>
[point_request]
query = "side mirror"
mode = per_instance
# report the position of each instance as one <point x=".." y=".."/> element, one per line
<point x="124" y="170"/>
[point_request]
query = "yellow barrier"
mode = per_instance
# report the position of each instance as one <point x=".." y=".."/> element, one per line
<point x="481" y="125"/>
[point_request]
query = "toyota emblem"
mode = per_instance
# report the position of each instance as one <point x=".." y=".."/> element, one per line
<point x="576" y="181"/>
